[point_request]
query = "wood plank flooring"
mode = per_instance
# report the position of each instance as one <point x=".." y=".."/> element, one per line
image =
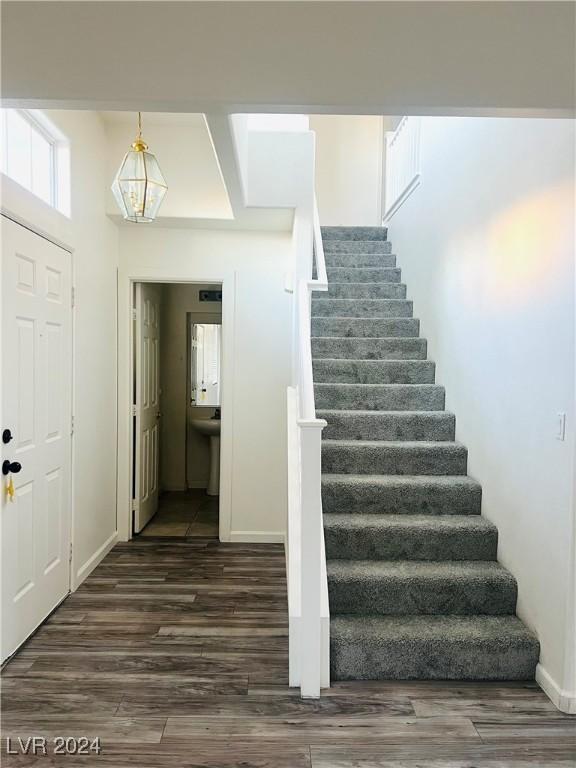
<point x="175" y="653"/>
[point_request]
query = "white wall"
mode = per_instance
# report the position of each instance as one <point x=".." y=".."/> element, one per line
<point x="94" y="240"/>
<point x="348" y="169"/>
<point x="486" y="244"/>
<point x="184" y="150"/>
<point x="256" y="358"/>
<point x="184" y="452"/>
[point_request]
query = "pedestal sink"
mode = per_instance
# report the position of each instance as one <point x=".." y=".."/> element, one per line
<point x="211" y="428"/>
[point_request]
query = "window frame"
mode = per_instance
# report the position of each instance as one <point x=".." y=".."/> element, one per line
<point x="39" y="124"/>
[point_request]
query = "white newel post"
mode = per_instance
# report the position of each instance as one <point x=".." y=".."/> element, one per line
<point x="311" y="507"/>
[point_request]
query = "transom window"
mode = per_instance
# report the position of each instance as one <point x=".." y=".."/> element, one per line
<point x="34" y="156"/>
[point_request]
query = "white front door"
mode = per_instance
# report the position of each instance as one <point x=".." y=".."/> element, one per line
<point x="147" y="390"/>
<point x="37" y="410"/>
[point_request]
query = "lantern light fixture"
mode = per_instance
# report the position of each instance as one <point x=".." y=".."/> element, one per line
<point x="139" y="186"/>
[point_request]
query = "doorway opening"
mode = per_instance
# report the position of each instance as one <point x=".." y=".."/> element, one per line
<point x="177" y="414"/>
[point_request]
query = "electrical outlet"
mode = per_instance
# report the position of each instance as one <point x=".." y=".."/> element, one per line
<point x="560" y="426"/>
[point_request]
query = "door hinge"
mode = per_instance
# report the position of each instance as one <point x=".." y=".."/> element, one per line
<point x="73" y="297"/>
<point x="134" y="410"/>
<point x="134" y="505"/>
<point x="70" y="555"/>
<point x="71" y="425"/>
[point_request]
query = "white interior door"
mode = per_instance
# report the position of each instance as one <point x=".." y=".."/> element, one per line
<point x="37" y="409"/>
<point x="147" y="390"/>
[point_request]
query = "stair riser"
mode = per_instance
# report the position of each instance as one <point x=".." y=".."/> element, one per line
<point x="372" y="498"/>
<point x="393" y="460"/>
<point x="404" y="596"/>
<point x="440" y="659"/>
<point x="382" y="247"/>
<point x="375" y="544"/>
<point x="349" y="425"/>
<point x="362" y="291"/>
<point x="370" y="349"/>
<point x="398" y="397"/>
<point x="373" y="260"/>
<point x="354" y="233"/>
<point x="363" y="308"/>
<point x="348" y="327"/>
<point x="363" y="275"/>
<point x="374" y="371"/>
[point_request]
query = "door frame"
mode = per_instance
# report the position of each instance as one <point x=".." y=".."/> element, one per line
<point x="126" y="282"/>
<point x="63" y="244"/>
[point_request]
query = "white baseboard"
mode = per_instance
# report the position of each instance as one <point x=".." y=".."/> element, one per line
<point x="85" y="570"/>
<point x="257" y="537"/>
<point x="565" y="701"/>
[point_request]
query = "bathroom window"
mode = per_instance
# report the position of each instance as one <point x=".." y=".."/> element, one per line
<point x="34" y="154"/>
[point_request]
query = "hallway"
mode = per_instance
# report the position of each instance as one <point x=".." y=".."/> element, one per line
<point x="175" y="653"/>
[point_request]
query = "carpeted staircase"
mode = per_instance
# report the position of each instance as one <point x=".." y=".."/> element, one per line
<point x="415" y="588"/>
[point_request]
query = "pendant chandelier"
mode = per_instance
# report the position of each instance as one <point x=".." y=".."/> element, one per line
<point x="139" y="186"/>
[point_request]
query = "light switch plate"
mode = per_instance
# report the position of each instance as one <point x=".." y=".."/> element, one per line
<point x="560" y="426"/>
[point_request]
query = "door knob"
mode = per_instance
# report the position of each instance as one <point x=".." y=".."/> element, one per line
<point x="11" y="466"/>
<point x="6" y="436"/>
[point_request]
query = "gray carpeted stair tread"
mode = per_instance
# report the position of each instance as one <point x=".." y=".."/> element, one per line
<point x="343" y="371"/>
<point x="394" y="457"/>
<point x="363" y="274"/>
<point x="414" y="537"/>
<point x="382" y="348"/>
<point x="411" y="587"/>
<point x="431" y="648"/>
<point x="380" y="397"/>
<point x="361" y="308"/>
<point x="401" y="494"/>
<point x="353" y="233"/>
<point x="388" y="425"/>
<point x="381" y="247"/>
<point x="365" y="327"/>
<point x="386" y="260"/>
<point x="362" y="291"/>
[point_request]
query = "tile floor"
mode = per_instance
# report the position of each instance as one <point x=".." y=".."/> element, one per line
<point x="187" y="514"/>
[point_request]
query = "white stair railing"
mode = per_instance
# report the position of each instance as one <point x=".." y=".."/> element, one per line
<point x="308" y="589"/>
<point x="402" y="164"/>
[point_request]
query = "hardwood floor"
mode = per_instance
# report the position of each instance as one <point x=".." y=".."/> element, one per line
<point x="174" y="653"/>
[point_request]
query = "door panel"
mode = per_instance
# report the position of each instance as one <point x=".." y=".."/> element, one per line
<point x="147" y="342"/>
<point x="36" y="407"/>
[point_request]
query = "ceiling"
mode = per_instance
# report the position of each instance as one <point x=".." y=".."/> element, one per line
<point x="190" y="119"/>
<point x="310" y="57"/>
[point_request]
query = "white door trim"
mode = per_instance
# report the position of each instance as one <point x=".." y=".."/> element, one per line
<point x="36" y="230"/>
<point x="126" y="281"/>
